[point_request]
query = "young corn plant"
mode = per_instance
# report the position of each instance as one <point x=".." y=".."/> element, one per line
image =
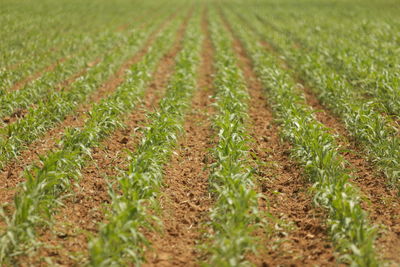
<point x="45" y="185"/>
<point x="317" y="150"/>
<point x="120" y="239"/>
<point x="234" y="215"/>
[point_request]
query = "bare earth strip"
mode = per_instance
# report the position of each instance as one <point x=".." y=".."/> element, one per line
<point x="66" y="243"/>
<point x="185" y="200"/>
<point x="297" y="234"/>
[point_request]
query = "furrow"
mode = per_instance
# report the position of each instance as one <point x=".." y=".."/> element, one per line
<point x="20" y="84"/>
<point x="377" y="198"/>
<point x="185" y="200"/>
<point x="58" y="105"/>
<point x="372" y="130"/>
<point x="381" y="201"/>
<point x="297" y="232"/>
<point x="10" y="175"/>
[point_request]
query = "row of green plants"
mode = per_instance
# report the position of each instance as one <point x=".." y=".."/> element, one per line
<point x="120" y="239"/>
<point x="361" y="47"/>
<point x="40" y="50"/>
<point x="316" y="149"/>
<point x="372" y="24"/>
<point x="35" y="91"/>
<point x="29" y="38"/>
<point x="371" y="69"/>
<point x="363" y="122"/>
<point x="26" y="50"/>
<point x="234" y="215"/>
<point x="48" y="182"/>
<point x="56" y="105"/>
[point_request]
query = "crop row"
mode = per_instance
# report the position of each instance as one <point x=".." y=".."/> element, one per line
<point x="234" y="215"/>
<point x="24" y="54"/>
<point x="29" y="63"/>
<point x="371" y="69"/>
<point x="37" y="90"/>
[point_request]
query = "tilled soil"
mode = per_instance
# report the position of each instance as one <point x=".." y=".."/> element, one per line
<point x="66" y="243"/>
<point x="21" y="113"/>
<point x="295" y="233"/>
<point x="185" y="200"/>
<point x="20" y="84"/>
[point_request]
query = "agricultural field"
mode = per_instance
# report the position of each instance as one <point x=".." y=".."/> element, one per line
<point x="200" y="133"/>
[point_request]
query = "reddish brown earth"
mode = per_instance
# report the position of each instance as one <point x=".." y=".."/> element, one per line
<point x="296" y="234"/>
<point x="66" y="244"/>
<point x="100" y="93"/>
<point x="76" y="75"/>
<point x="185" y="200"/>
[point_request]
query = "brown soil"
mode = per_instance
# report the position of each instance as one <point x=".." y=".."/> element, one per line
<point x="66" y="244"/>
<point x="296" y="234"/>
<point x="75" y="76"/>
<point x="185" y="200"/>
<point x="11" y="175"/>
<point x="20" y="113"/>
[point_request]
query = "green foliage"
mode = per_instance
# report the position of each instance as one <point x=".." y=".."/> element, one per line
<point x="235" y="213"/>
<point x="56" y="105"/>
